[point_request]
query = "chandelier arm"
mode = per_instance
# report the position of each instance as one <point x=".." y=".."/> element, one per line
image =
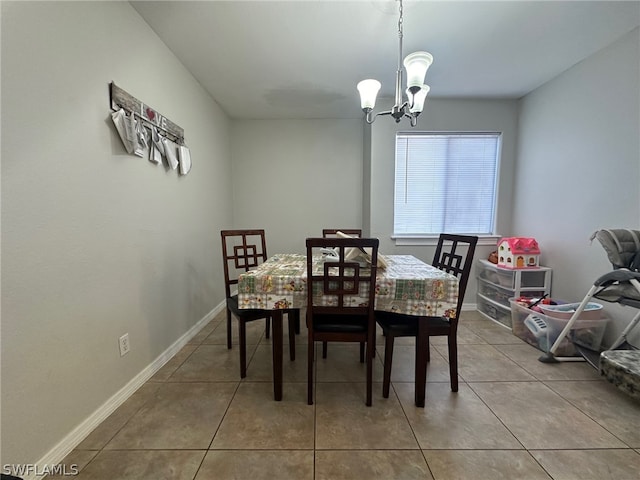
<point x="370" y="116"/>
<point x="413" y="117"/>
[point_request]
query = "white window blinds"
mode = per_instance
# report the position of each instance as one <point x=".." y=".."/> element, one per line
<point x="445" y="183"/>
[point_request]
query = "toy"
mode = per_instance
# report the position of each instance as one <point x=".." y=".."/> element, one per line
<point x="518" y="252"/>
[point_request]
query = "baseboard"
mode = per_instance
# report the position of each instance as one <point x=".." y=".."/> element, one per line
<point x="78" y="434"/>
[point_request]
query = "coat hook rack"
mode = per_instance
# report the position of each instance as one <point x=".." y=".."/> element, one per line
<point x="119" y="98"/>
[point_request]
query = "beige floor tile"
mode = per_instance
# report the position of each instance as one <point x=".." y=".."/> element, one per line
<point x="182" y="415"/>
<point x="73" y="463"/>
<point x="589" y="464"/>
<point x="527" y="356"/>
<point x="371" y="465"/>
<point x="212" y="363"/>
<point x="343" y="364"/>
<point x="484" y="363"/>
<point x="603" y="402"/>
<point x="143" y="465"/>
<point x="218" y="336"/>
<point x="465" y="336"/>
<point x="257" y="465"/>
<point x="404" y="362"/>
<point x="541" y="419"/>
<point x="492" y="333"/>
<point x="483" y="465"/>
<point x="172" y="365"/>
<point x="104" y="432"/>
<point x="472" y="315"/>
<point x="343" y="421"/>
<point x="260" y="369"/>
<point x="255" y="421"/>
<point x="454" y="420"/>
<point x="205" y="331"/>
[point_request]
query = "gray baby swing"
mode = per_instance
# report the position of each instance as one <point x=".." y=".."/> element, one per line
<point x="621" y="362"/>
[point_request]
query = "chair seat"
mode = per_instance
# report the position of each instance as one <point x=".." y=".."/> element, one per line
<point x="232" y="303"/>
<point x="339" y="324"/>
<point x="407" y="325"/>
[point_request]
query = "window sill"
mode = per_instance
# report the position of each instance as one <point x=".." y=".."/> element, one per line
<point x="408" y="241"/>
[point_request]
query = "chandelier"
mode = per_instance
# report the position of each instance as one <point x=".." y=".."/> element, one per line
<point x="416" y="65"/>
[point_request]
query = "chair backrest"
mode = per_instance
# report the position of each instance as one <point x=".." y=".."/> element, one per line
<point x="454" y="254"/>
<point x="242" y="250"/>
<point x="339" y="284"/>
<point x="621" y="245"/>
<point x="332" y="232"/>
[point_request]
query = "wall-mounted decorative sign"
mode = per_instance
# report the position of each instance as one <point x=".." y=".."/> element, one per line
<point x="149" y="115"/>
<point x="163" y="143"/>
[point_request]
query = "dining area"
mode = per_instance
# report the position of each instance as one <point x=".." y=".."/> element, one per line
<point x="209" y="413"/>
<point x="346" y="290"/>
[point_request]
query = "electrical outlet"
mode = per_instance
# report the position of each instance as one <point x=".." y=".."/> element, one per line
<point x="124" y="344"/>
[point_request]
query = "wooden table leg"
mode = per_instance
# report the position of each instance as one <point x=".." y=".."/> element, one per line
<point x="276" y="342"/>
<point x="421" y="363"/>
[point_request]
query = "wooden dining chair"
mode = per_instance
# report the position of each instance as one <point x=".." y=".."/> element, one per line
<point x="244" y="250"/>
<point x="340" y="300"/>
<point x="454" y="254"/>
<point x="333" y="233"/>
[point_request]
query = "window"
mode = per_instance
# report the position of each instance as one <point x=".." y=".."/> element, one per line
<point x="445" y="182"/>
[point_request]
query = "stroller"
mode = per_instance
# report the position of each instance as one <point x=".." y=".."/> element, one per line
<point x="622" y="286"/>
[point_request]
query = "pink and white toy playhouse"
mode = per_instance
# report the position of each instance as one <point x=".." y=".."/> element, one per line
<point x="518" y="252"/>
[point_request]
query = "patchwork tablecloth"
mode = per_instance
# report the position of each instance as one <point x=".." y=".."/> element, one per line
<point x="407" y="286"/>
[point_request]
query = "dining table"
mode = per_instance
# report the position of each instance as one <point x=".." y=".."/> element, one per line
<point x="407" y="285"/>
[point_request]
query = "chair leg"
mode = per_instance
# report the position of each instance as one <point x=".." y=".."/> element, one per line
<point x="229" y="324"/>
<point x="268" y="328"/>
<point x="297" y="321"/>
<point x="453" y="362"/>
<point x="242" y="340"/>
<point x="292" y="337"/>
<point x="370" y="347"/>
<point x="388" y="356"/>
<point x="422" y="345"/>
<point x="361" y="352"/>
<point x="324" y="349"/>
<point x="310" y="355"/>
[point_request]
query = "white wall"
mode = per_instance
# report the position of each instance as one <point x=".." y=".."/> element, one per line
<point x="441" y="115"/>
<point x="295" y="177"/>
<point x="329" y="161"/>
<point x="578" y="166"/>
<point x="95" y="242"/>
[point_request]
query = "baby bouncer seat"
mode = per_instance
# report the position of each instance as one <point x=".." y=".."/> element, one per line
<point x="621" y="362"/>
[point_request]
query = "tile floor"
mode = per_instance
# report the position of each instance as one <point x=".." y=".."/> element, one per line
<point x="513" y="417"/>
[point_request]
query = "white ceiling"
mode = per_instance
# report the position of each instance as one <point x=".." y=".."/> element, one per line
<point x="302" y="59"/>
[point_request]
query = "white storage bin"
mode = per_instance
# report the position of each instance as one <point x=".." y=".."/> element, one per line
<point x="542" y="331"/>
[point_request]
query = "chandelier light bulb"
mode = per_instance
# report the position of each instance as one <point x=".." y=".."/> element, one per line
<point x="416" y="64"/>
<point x="368" y="92"/>
<point x="418" y="99"/>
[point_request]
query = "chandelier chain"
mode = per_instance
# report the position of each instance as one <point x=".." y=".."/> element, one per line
<point x="400" y="35"/>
